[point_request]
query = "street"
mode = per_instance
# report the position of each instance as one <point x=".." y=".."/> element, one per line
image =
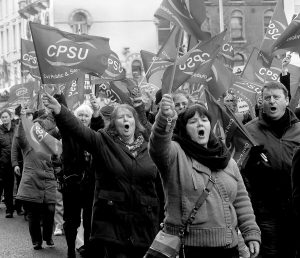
<point x="15" y="240"/>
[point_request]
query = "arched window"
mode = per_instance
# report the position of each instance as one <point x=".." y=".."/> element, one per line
<point x="80" y="21"/>
<point x="267" y="17"/>
<point x="239" y="59"/>
<point x="237" y="26"/>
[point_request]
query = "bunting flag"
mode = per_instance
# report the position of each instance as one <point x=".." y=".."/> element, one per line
<point x="225" y="126"/>
<point x="290" y="37"/>
<point x="198" y="56"/>
<point x="62" y="55"/>
<point x="277" y="25"/>
<point x="21" y="94"/>
<point x="223" y="80"/>
<point x="154" y="66"/>
<point x="168" y="51"/>
<point x="29" y="63"/>
<point x="188" y="16"/>
<point x="256" y="71"/>
<point x="40" y="140"/>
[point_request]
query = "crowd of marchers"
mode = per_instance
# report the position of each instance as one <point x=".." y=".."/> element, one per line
<point x="127" y="171"/>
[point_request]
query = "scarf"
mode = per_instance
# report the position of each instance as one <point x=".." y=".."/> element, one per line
<point x="216" y="156"/>
<point x="133" y="147"/>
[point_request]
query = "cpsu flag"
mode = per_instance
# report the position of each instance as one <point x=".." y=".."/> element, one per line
<point x="277" y="25"/>
<point x="256" y="71"/>
<point x="225" y="126"/>
<point x="290" y="38"/>
<point x="40" y="140"/>
<point x="197" y="56"/>
<point x="223" y="80"/>
<point x="226" y="55"/>
<point x="29" y="61"/>
<point x="62" y="55"/>
<point x="186" y="16"/>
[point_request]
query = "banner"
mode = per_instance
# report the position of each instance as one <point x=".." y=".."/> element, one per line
<point x="40" y="140"/>
<point x="62" y="55"/>
<point x="226" y="55"/>
<point x="198" y="56"/>
<point x="277" y="25"/>
<point x="225" y="126"/>
<point x="29" y="63"/>
<point x="188" y="16"/>
<point x="290" y="37"/>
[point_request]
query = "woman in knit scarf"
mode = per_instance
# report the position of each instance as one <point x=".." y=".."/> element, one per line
<point x="187" y="160"/>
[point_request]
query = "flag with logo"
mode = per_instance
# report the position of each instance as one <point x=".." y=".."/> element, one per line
<point x="225" y="126"/>
<point x="290" y="37"/>
<point x="40" y="140"/>
<point x="197" y="56"/>
<point x="276" y="27"/>
<point x="226" y="55"/>
<point x="188" y="15"/>
<point x="62" y="55"/>
<point x="29" y="63"/>
<point x="223" y="79"/>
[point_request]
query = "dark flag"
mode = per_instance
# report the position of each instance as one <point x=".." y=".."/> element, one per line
<point x="62" y="55"/>
<point x="29" y="63"/>
<point x="226" y="55"/>
<point x="189" y="16"/>
<point x="277" y="25"/>
<point x="226" y="126"/>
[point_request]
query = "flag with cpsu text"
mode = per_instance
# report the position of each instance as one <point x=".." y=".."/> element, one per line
<point x="62" y="55"/>
<point x="40" y="140"/>
<point x="188" y="15"/>
<point x="276" y="27"/>
<point x="225" y="126"/>
<point x="199" y="55"/>
<point x="29" y="63"/>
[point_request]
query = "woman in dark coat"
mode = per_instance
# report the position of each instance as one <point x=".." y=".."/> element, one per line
<point x="126" y="206"/>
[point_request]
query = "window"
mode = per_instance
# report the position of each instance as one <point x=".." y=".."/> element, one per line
<point x="236" y="26"/>
<point x="163" y="29"/>
<point x="239" y="59"/>
<point x="7" y="40"/>
<point x="15" y="37"/>
<point x="267" y="17"/>
<point x="2" y="43"/>
<point x="80" y="25"/>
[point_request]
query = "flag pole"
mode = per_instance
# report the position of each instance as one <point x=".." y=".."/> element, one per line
<point x="148" y="70"/>
<point x="168" y="89"/>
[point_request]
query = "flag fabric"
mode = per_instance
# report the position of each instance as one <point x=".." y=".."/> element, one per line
<point x="226" y="55"/>
<point x="168" y="50"/>
<point x="21" y="94"/>
<point x="62" y="55"/>
<point x="277" y="25"/>
<point x="290" y="37"/>
<point x="223" y="80"/>
<point x="198" y="56"/>
<point x="29" y="63"/>
<point x="188" y="16"/>
<point x="225" y="126"/>
<point x="40" y="140"/>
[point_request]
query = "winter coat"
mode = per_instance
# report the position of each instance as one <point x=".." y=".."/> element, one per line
<point x="269" y="183"/>
<point x="226" y="208"/>
<point x="126" y="206"/>
<point x="38" y="183"/>
<point x="6" y="137"/>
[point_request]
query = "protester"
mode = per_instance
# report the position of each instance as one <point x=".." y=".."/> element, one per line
<point x="181" y="102"/>
<point x="6" y="171"/>
<point x="106" y="112"/>
<point x="37" y="188"/>
<point x="194" y="157"/>
<point x="268" y="175"/>
<point x="126" y="207"/>
<point x="58" y="216"/>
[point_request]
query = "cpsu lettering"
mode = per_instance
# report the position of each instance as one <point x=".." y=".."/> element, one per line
<point x="273" y="31"/>
<point x="109" y="93"/>
<point x="191" y="61"/>
<point x="227" y="48"/>
<point x="29" y="58"/>
<point x="263" y="71"/>
<point x="115" y="64"/>
<point x="40" y="133"/>
<point x="71" y="52"/>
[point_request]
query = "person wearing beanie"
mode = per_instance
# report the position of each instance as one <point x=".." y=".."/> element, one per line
<point x="194" y="161"/>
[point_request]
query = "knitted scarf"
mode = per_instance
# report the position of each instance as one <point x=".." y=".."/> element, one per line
<point x="216" y="156"/>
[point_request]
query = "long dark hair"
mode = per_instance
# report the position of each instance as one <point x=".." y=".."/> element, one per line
<point x="112" y="124"/>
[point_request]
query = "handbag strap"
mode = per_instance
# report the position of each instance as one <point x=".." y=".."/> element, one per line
<point x="200" y="201"/>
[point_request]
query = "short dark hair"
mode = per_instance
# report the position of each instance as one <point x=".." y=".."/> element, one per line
<point x="112" y="126"/>
<point x="275" y="85"/>
<point x="5" y="110"/>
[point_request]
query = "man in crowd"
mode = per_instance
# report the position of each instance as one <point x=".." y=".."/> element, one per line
<point x="267" y="172"/>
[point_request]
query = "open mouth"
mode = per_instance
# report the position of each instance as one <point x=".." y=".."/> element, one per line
<point x="201" y="132"/>
<point x="126" y="127"/>
<point x="273" y="108"/>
